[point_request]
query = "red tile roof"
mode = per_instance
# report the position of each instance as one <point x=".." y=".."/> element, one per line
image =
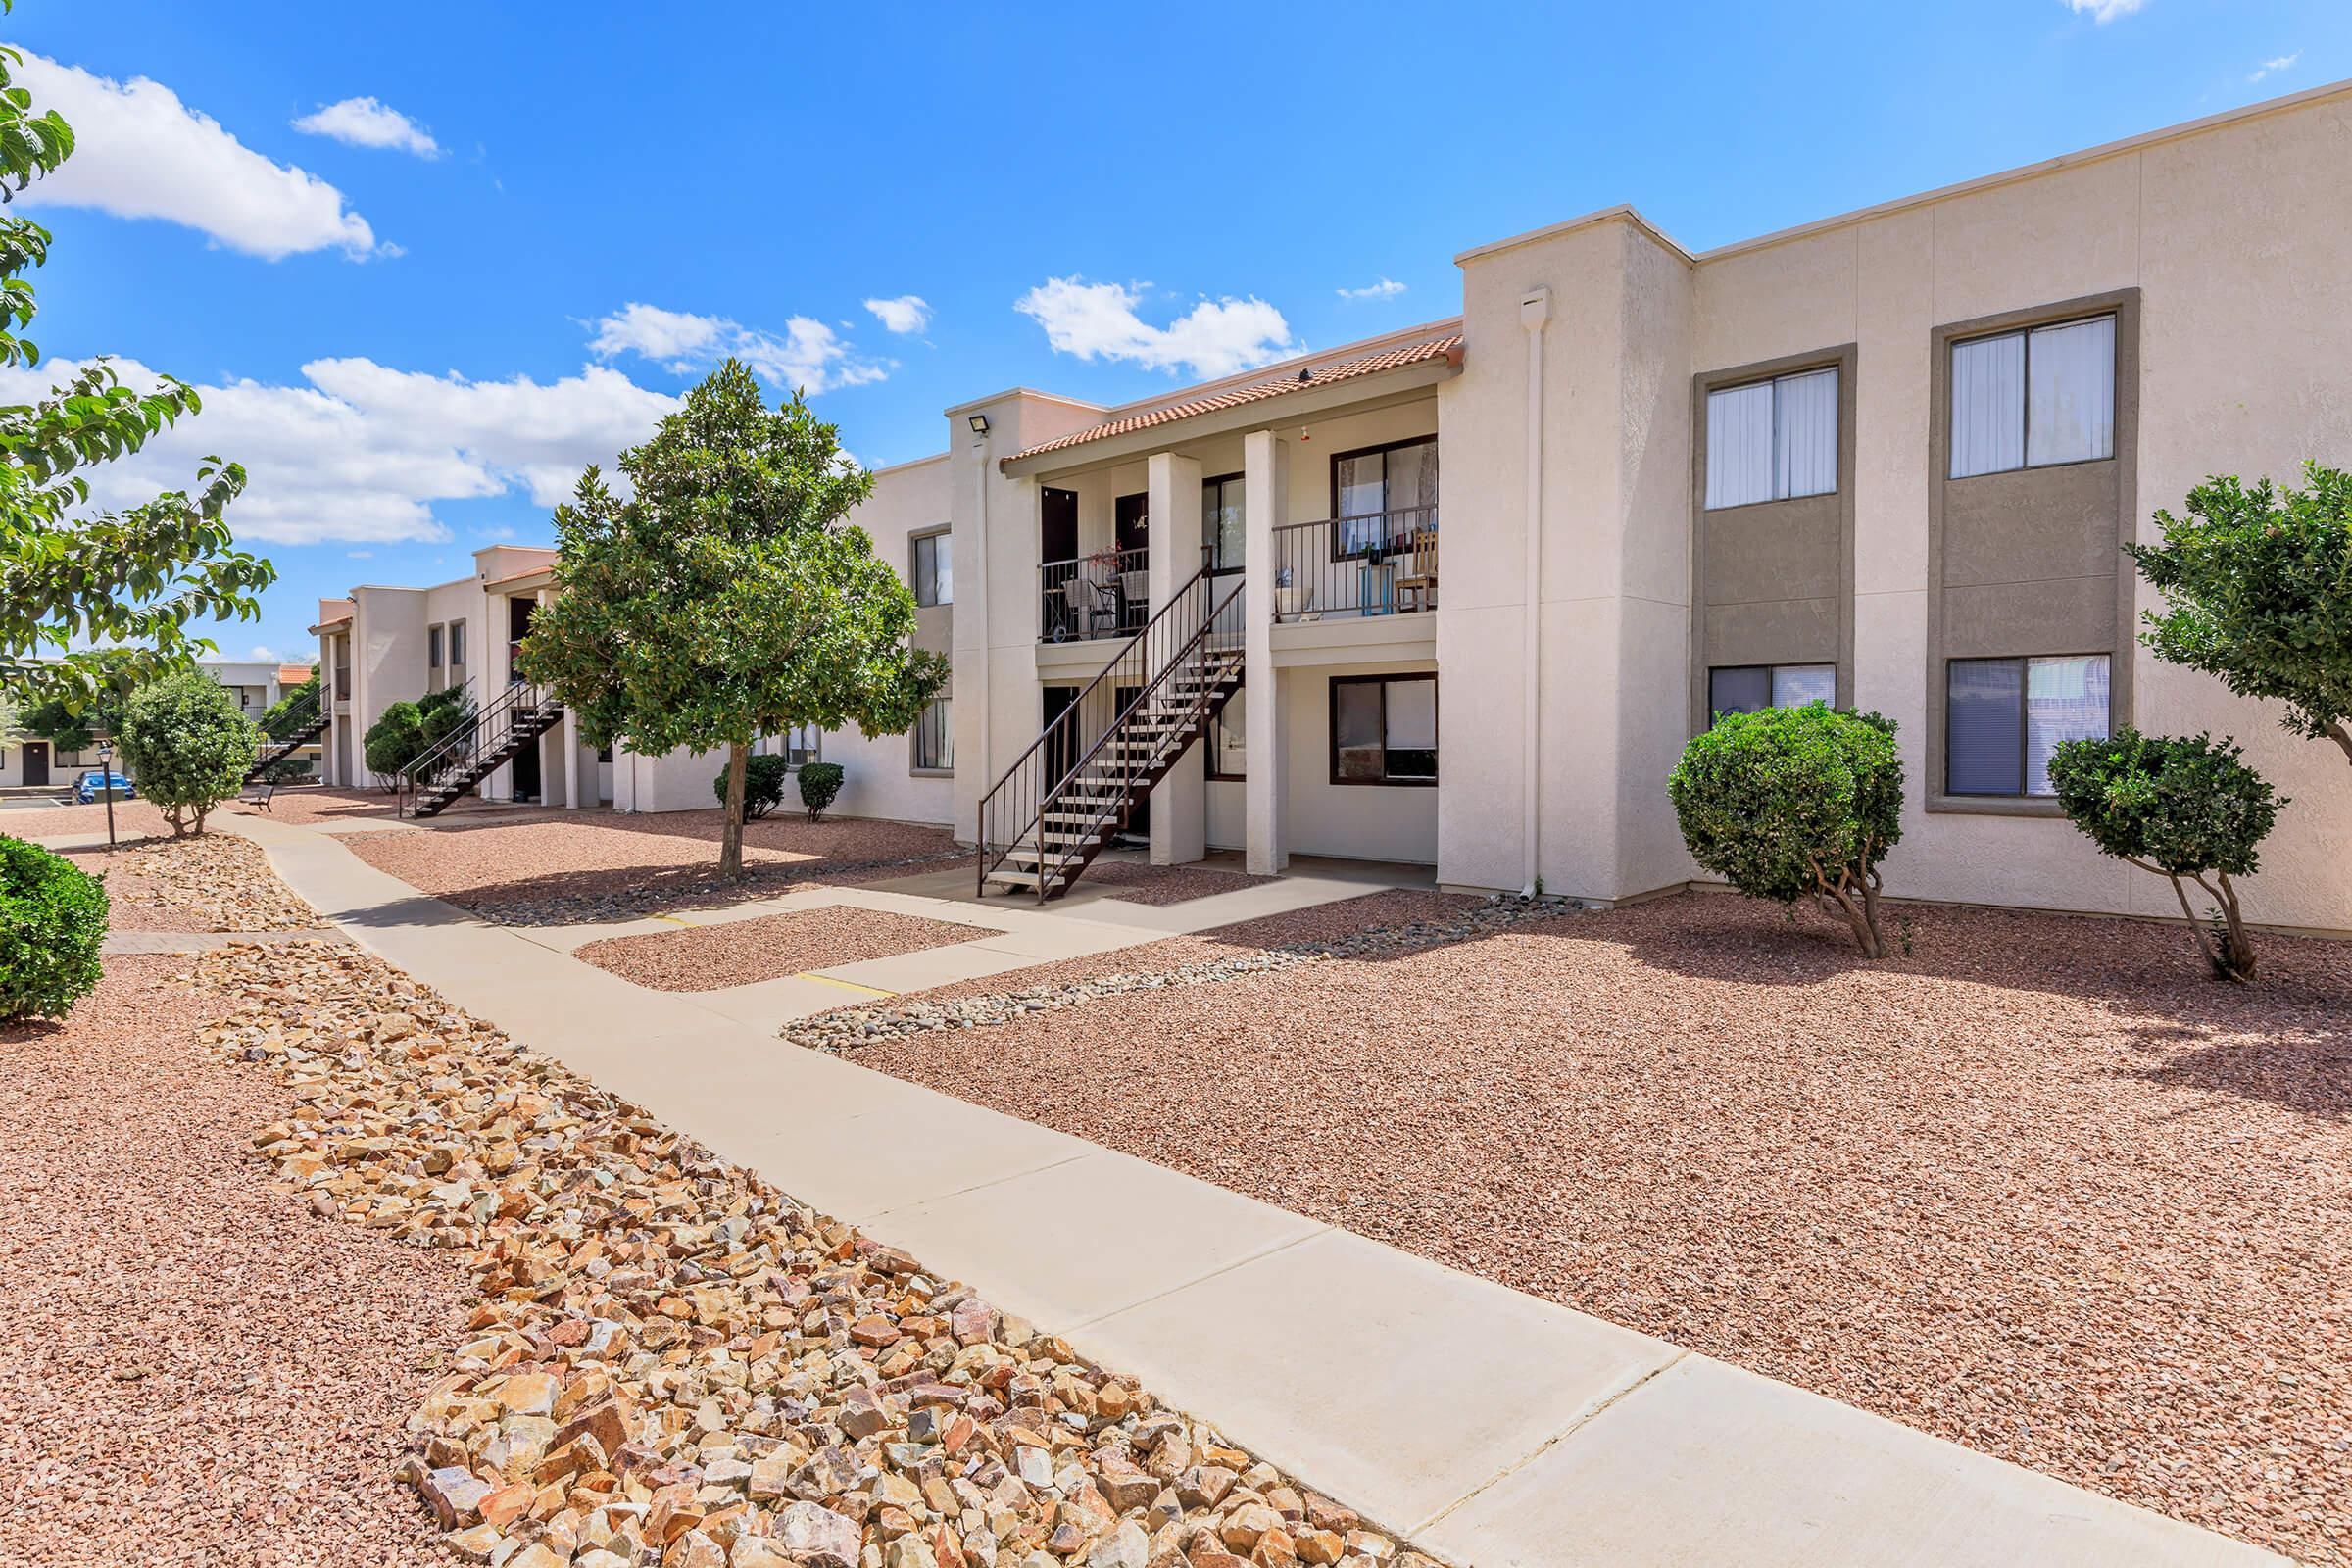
<point x="293" y="674"/>
<point x="1436" y="348"/>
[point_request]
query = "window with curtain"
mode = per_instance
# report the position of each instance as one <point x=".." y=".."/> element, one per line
<point x="1752" y="688"/>
<point x="935" y="738"/>
<point x="432" y="659"/>
<point x="457" y="650"/>
<point x="2003" y="717"/>
<point x="1384" y="729"/>
<point x="934" y="570"/>
<point x="1773" y="440"/>
<point x="1226" y="754"/>
<point x="1223" y="522"/>
<point x="1384" y="495"/>
<point x="2033" y="398"/>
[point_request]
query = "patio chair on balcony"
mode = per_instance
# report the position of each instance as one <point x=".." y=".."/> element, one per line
<point x="1417" y="584"/>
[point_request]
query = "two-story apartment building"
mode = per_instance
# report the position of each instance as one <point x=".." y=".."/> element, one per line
<point x="1458" y="596"/>
<point x="256" y="683"/>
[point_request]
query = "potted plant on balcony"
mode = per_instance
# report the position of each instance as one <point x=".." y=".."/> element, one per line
<point x="1289" y="601"/>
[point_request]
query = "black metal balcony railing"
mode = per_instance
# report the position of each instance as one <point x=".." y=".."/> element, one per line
<point x="1102" y="595"/>
<point x="1379" y="564"/>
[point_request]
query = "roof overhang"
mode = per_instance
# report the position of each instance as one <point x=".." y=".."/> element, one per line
<point x="1307" y="402"/>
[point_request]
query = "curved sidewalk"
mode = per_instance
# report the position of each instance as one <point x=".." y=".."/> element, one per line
<point x="1491" y="1427"/>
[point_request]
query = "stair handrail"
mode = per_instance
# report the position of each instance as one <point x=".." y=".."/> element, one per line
<point x="297" y="716"/>
<point x="462" y="746"/>
<point x="1129" y="768"/>
<point x="1019" y="782"/>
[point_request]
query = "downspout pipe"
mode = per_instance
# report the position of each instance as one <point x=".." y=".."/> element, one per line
<point x="1534" y="310"/>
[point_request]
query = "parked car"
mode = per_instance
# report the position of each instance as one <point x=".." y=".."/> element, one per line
<point x="92" y="788"/>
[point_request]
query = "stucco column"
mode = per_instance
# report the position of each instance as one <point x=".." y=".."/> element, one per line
<point x="1265" y="500"/>
<point x="1179" y="802"/>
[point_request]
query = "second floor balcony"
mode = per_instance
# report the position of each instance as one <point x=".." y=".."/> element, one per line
<point x="1106" y="594"/>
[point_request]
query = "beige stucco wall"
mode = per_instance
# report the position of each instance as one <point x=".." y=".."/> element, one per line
<point x="877" y="775"/>
<point x="2234" y="237"/>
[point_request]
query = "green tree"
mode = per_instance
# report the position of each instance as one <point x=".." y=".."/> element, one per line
<point x="278" y="722"/>
<point x="187" y="746"/>
<point x="91" y="601"/>
<point x="2183" y="806"/>
<point x="2257" y="591"/>
<point x="763" y="779"/>
<point x="1792" y="803"/>
<point x="727" y="598"/>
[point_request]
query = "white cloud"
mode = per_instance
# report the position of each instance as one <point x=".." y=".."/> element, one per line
<point x="369" y="123"/>
<point x="359" y="452"/>
<point x="2282" y="63"/>
<point x="908" y="312"/>
<point x="139" y="152"/>
<point x="1217" y="337"/>
<point x="808" y="355"/>
<point x="1387" y="289"/>
<point x="2103" y="12"/>
<point x="263" y="654"/>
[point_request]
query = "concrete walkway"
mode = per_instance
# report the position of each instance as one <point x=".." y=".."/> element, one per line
<point x="1494" y="1427"/>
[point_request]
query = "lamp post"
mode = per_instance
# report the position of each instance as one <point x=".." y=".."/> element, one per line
<point x="106" y="765"/>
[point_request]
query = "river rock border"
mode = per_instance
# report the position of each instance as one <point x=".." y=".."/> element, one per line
<point x="849" y="1028"/>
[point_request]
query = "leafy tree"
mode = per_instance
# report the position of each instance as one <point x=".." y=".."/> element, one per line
<point x="52" y="927"/>
<point x="69" y="728"/>
<point x="405" y="731"/>
<point x="2183" y="806"/>
<point x="187" y="746"/>
<point x="279" y="722"/>
<point x="728" y="599"/>
<point x="133" y="582"/>
<point x="821" y="784"/>
<point x="1792" y="803"/>
<point x="762" y="785"/>
<point x="2257" y="591"/>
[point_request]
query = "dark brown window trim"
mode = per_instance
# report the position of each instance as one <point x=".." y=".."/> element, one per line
<point x="1209" y="759"/>
<point x="1332" y="507"/>
<point x="1332" y="726"/>
<point x="915" y="576"/>
<point x="1206" y="484"/>
<point x="2124" y="306"/>
<point x="1845" y="359"/>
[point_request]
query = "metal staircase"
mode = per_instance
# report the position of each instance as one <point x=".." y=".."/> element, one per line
<point x="482" y="744"/>
<point x="303" y="721"/>
<point x="1076" y="788"/>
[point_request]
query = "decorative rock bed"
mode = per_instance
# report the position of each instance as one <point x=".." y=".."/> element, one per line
<point x="769" y="947"/>
<point x="847" y="1028"/>
<point x="672" y="1362"/>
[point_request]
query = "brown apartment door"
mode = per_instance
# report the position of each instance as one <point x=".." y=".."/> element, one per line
<point x="1056" y="524"/>
<point x="37" y="762"/>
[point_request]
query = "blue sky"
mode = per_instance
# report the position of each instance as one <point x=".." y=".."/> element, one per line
<point x="430" y="259"/>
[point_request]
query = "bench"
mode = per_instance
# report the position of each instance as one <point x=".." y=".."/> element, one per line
<point x="261" y="795"/>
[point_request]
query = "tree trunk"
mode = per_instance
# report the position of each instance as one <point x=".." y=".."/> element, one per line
<point x="2237" y="947"/>
<point x="2196" y="928"/>
<point x="1862" y="916"/>
<point x="730" y="843"/>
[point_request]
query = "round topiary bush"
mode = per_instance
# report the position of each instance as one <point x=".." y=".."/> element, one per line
<point x="1792" y="803"/>
<point x="187" y="746"/>
<point x="762" y="785"/>
<point x="394" y="741"/>
<point x="820" y="782"/>
<point x="52" y="925"/>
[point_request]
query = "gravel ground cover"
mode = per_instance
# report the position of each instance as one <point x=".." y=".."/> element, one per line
<point x="2039" y="1187"/>
<point x="575" y="867"/>
<point x="198" y="1370"/>
<point x="1162" y="885"/>
<point x="769" y="947"/>
<point x="319" y="805"/>
<point x="132" y="820"/>
<point x="214" y="882"/>
<point x="672" y="1362"/>
<point x="1391" y="910"/>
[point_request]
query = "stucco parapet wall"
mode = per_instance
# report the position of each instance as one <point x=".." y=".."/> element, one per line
<point x="2141" y="142"/>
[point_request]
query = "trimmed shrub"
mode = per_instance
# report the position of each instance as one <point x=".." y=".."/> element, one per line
<point x="187" y="746"/>
<point x="2183" y="806"/>
<point x="820" y="783"/>
<point x="763" y="779"/>
<point x="278" y="722"/>
<point x="1792" y="803"/>
<point x="52" y="925"/>
<point x="393" y="742"/>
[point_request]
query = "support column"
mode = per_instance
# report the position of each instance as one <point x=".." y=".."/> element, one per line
<point x="1265" y="502"/>
<point x="1179" y="802"/>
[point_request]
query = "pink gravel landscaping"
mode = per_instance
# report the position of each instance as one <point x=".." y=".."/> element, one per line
<point x="769" y="947"/>
<point x="578" y="865"/>
<point x="2039" y="1188"/>
<point x="1161" y="885"/>
<point x="200" y="1370"/>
